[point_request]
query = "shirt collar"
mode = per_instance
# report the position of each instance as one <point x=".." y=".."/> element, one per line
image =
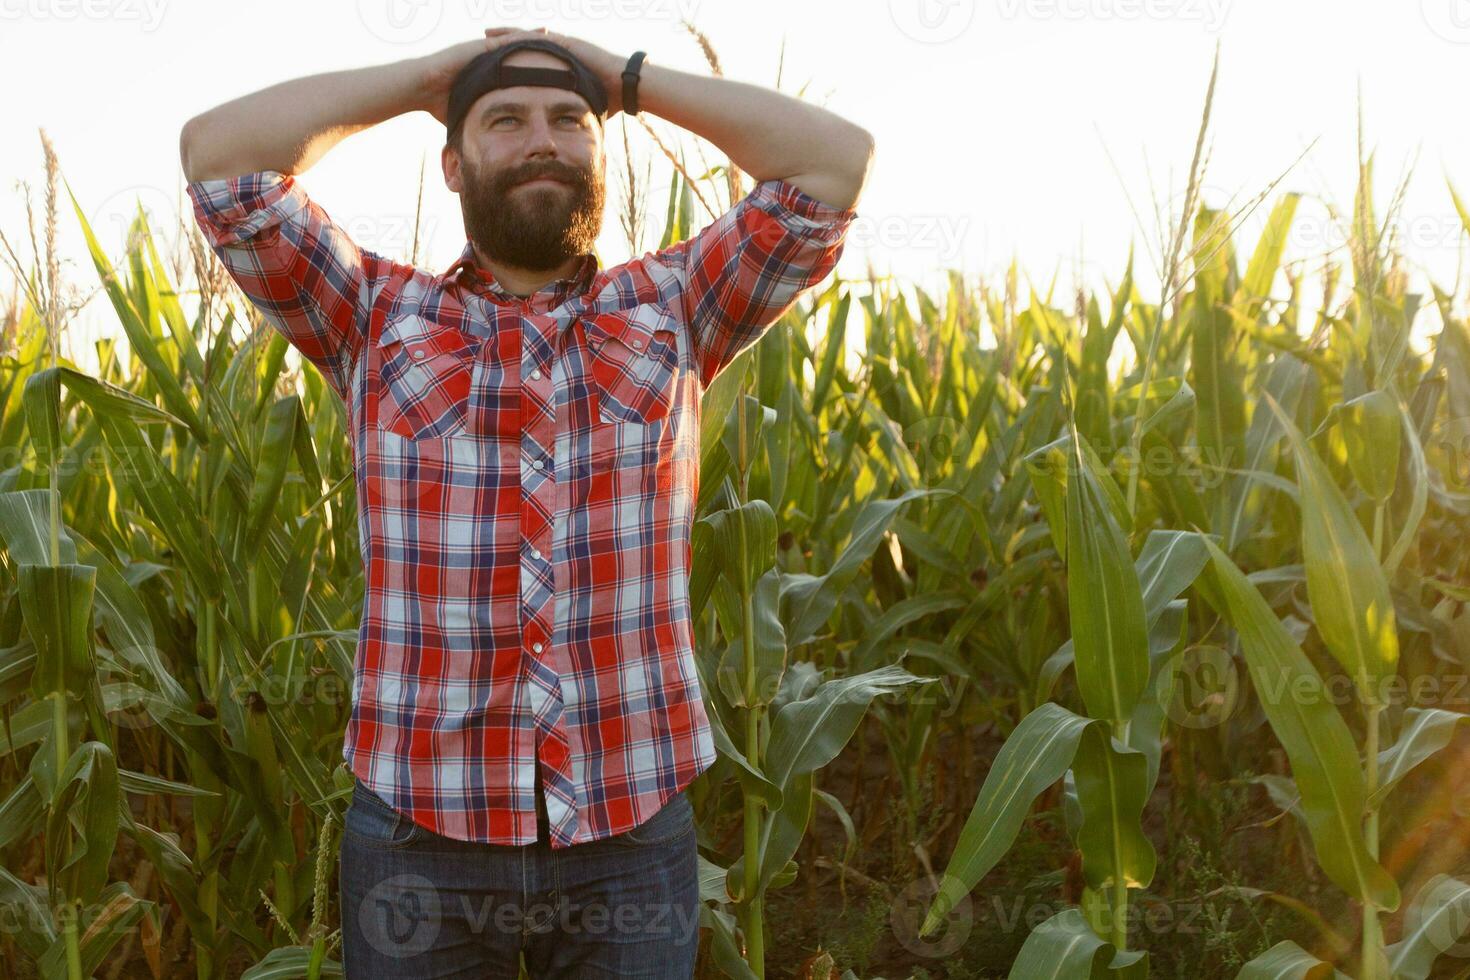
<point x="471" y="274"/>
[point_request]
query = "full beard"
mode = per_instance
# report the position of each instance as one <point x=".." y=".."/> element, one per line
<point x="537" y="228"/>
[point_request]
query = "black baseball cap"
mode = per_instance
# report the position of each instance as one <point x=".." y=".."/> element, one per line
<point x="487" y="72"/>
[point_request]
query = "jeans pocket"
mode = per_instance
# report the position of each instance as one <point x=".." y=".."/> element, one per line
<point x="371" y="821"/>
<point x="672" y="821"/>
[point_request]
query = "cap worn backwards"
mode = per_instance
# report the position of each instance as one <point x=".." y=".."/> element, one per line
<point x="487" y="71"/>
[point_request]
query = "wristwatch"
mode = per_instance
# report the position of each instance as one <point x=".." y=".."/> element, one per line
<point x="630" y="83"/>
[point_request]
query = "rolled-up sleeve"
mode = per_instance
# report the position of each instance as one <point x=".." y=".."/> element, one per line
<point x="302" y="271"/>
<point x="747" y="267"/>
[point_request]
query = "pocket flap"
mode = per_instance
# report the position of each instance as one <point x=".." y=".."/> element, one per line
<point x="417" y="333"/>
<point x="635" y="327"/>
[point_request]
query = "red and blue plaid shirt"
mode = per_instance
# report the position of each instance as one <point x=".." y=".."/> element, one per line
<point x="526" y="473"/>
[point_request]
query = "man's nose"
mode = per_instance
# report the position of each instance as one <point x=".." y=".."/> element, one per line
<point x="541" y="140"/>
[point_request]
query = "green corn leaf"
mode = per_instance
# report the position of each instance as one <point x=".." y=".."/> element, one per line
<point x="25" y="527"/>
<point x="144" y="344"/>
<point x="1347" y="588"/>
<point x="167" y="503"/>
<point x="1109" y="632"/>
<point x="1323" y="757"/>
<point x="1370" y="429"/>
<point x="1166" y="638"/>
<point x="1286" y="961"/>
<point x="1168" y="564"/>
<point x="168" y="302"/>
<point x="806" y="734"/>
<point x="276" y="448"/>
<point x="1065" y="947"/>
<point x="781" y="836"/>
<point x="744" y="542"/>
<point x="1285" y="379"/>
<point x="1094" y="412"/>
<point x="1035" y="756"/>
<point x="768" y="641"/>
<point x="1112" y="789"/>
<point x="56" y="602"/>
<point x="112" y="917"/>
<point x="1436" y="921"/>
<point x="808" y="600"/>
<point x="1425" y="731"/>
<point x="82" y="822"/>
<point x="1216" y="271"/>
<point x="753" y="782"/>
<point x="289" y="963"/>
<point x="150" y="785"/>
<point x="1260" y="272"/>
<point x="724" y="943"/>
<point x="1047" y="469"/>
<point x="33" y="926"/>
<point x="1218" y="379"/>
<point x="21" y="812"/>
<point x="1418" y="470"/>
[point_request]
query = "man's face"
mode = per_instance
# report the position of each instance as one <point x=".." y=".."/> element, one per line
<point x="512" y="136"/>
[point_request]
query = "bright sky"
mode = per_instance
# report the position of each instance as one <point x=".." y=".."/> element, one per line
<point x="1003" y="127"/>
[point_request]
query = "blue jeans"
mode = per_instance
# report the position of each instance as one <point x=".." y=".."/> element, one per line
<point x="416" y="905"/>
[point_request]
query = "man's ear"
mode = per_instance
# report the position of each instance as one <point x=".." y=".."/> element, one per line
<point x="449" y="161"/>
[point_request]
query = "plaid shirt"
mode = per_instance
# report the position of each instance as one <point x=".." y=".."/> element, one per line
<point x="526" y="474"/>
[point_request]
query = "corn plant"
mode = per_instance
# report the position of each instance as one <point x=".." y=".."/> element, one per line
<point x="775" y="722"/>
<point x="1345" y="508"/>
<point x="184" y="595"/>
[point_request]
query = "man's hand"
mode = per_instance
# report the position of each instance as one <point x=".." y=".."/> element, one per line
<point x="289" y="126"/>
<point x="765" y="133"/>
<point x="441" y="68"/>
<point x="607" y="66"/>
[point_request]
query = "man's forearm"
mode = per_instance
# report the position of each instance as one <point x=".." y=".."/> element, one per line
<point x="765" y="133"/>
<point x="289" y="126"/>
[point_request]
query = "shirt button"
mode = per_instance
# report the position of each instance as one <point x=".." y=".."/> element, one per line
<point x="537" y="463"/>
<point x="536" y="647"/>
<point x="419" y="352"/>
<point x="536" y="554"/>
<point x="637" y="345"/>
<point x="536" y="374"/>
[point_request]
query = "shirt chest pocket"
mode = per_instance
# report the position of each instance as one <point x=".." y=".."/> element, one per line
<point x="424" y="371"/>
<point x="634" y="363"/>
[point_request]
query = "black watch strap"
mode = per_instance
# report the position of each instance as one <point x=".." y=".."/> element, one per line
<point x="630" y="82"/>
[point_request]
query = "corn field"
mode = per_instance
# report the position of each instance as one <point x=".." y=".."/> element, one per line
<point x="1100" y="635"/>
